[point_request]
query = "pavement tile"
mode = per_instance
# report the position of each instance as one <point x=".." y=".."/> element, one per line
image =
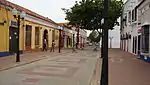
<point x="45" y="72"/>
<point x="9" y="61"/>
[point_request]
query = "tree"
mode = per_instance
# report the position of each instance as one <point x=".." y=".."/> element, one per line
<point x="94" y="38"/>
<point x="87" y="14"/>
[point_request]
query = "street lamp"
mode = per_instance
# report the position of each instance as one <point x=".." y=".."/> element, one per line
<point x="104" y="75"/>
<point x="18" y="16"/>
<point x="60" y="28"/>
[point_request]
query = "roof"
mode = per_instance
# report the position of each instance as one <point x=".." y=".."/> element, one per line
<point x="20" y="8"/>
<point x="140" y="3"/>
<point x="66" y="24"/>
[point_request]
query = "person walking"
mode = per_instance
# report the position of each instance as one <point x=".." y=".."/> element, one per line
<point x="73" y="48"/>
<point x="45" y="45"/>
<point x="53" y="46"/>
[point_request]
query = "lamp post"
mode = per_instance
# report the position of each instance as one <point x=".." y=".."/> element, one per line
<point x="60" y="28"/>
<point x="104" y="75"/>
<point x="18" y="16"/>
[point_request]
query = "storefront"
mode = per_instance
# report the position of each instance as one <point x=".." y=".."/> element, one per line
<point x="145" y="39"/>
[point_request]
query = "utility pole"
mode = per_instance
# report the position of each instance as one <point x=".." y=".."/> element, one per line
<point x="104" y="75"/>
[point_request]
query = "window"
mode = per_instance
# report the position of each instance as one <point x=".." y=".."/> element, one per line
<point x="132" y="15"/>
<point x="28" y="35"/>
<point x="37" y="35"/>
<point x="135" y="15"/>
<point x="129" y="17"/>
<point x="145" y="39"/>
<point x="125" y="21"/>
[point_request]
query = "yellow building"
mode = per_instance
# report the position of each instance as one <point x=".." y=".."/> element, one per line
<point x="33" y="29"/>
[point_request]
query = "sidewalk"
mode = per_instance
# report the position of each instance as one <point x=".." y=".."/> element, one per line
<point x="26" y="58"/>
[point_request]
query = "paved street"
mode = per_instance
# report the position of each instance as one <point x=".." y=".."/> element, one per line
<point x="64" y="69"/>
<point x="26" y="58"/>
<point x="81" y="68"/>
<point x="126" y="69"/>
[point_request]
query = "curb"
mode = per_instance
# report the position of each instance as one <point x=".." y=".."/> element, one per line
<point x="25" y="63"/>
<point x="93" y="80"/>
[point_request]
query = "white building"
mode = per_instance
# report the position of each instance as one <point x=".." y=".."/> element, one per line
<point x="144" y="21"/>
<point x="135" y="29"/>
<point x="114" y="38"/>
<point x="129" y="27"/>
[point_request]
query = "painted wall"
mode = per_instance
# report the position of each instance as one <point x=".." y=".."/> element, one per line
<point x="4" y="31"/>
<point x="56" y="38"/>
<point x="42" y="28"/>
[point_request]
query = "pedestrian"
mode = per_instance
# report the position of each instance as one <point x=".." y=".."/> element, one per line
<point x="53" y="46"/>
<point x="73" y="48"/>
<point x="45" y="45"/>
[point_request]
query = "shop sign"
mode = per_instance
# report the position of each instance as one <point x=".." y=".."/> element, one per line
<point x="140" y="30"/>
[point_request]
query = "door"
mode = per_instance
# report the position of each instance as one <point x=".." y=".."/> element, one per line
<point x="139" y="44"/>
<point x="135" y="45"/>
<point x="28" y="37"/>
<point x="12" y="40"/>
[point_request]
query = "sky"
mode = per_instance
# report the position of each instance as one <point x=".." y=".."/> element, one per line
<point x="47" y="8"/>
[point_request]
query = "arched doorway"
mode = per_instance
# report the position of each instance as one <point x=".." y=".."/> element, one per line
<point x="45" y="37"/>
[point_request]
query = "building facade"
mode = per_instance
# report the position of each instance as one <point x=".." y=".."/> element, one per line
<point x="135" y="28"/>
<point x="74" y="36"/>
<point x="129" y="27"/>
<point x="34" y="29"/>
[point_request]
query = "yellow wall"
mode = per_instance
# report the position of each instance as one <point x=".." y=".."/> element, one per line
<point x="21" y="39"/>
<point x="42" y="28"/>
<point x="4" y="32"/>
<point x="50" y="37"/>
<point x="56" y="38"/>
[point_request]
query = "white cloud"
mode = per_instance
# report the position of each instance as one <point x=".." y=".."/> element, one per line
<point x="47" y="8"/>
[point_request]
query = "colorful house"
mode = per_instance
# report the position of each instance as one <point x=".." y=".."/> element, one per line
<point x="67" y="35"/>
<point x="33" y="30"/>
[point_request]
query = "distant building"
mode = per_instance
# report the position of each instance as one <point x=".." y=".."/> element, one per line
<point x="79" y="35"/>
<point x="114" y="38"/>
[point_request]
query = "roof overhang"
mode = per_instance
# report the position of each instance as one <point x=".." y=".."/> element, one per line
<point x="146" y="23"/>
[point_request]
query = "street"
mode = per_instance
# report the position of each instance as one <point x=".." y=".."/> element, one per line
<point x="81" y="68"/>
<point x="65" y="69"/>
<point x="126" y="69"/>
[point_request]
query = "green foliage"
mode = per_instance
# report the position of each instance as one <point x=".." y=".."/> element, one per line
<point x="94" y="37"/>
<point x="87" y="14"/>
